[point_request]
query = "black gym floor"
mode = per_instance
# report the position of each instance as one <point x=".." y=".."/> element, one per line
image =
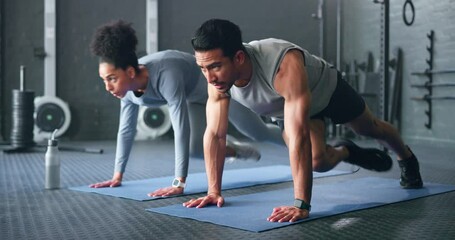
<point x="27" y="211"/>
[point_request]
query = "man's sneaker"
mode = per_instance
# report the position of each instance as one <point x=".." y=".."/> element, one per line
<point x="368" y="158"/>
<point x="410" y="173"/>
<point x="244" y="151"/>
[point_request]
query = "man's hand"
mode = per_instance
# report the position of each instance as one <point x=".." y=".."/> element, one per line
<point x="108" y="183"/>
<point x="287" y="214"/>
<point x="167" y="191"/>
<point x="210" y="199"/>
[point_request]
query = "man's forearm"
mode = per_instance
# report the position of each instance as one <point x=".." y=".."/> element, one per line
<point x="214" y="153"/>
<point x="301" y="165"/>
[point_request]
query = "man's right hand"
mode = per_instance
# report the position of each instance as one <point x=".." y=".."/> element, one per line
<point x="288" y="214"/>
<point x="210" y="199"/>
<point x="114" y="182"/>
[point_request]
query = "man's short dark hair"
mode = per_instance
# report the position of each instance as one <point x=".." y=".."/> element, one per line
<point x="218" y="33"/>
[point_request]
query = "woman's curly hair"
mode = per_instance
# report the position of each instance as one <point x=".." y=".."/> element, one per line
<point x="115" y="43"/>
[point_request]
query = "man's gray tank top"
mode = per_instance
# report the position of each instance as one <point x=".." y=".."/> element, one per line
<point x="260" y="95"/>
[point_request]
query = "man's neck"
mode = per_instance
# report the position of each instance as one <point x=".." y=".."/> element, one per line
<point x="246" y="72"/>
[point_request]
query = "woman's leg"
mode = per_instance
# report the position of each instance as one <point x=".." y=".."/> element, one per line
<point x="197" y="115"/>
<point x="252" y="126"/>
<point x="234" y="150"/>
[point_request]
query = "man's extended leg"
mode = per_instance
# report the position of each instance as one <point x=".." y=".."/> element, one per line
<point x="368" y="125"/>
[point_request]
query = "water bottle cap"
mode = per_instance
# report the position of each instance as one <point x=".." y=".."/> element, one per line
<point x="52" y="142"/>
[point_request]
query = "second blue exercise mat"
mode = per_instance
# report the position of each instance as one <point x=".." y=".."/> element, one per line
<point x="197" y="182"/>
<point x="249" y="212"/>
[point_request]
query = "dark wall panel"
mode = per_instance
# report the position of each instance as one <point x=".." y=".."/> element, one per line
<point x="22" y="34"/>
<point x="286" y="19"/>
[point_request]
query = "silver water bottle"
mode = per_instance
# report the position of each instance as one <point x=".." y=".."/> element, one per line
<point x="52" y="164"/>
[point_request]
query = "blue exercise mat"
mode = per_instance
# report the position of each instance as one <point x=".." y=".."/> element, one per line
<point x="197" y="182"/>
<point x="249" y="212"/>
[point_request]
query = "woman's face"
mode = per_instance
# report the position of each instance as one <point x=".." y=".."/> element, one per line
<point x="116" y="80"/>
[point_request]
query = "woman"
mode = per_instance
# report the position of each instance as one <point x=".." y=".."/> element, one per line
<point x="168" y="77"/>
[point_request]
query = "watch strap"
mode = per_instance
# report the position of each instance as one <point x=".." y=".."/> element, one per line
<point x="299" y="203"/>
<point x="178" y="183"/>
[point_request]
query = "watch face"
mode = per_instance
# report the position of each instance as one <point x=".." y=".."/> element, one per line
<point x="301" y="204"/>
<point x="178" y="183"/>
<point x="175" y="183"/>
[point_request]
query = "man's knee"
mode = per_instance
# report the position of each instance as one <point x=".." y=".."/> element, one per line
<point x="320" y="162"/>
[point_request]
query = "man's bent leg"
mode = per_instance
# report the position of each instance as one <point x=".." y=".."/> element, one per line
<point x="325" y="157"/>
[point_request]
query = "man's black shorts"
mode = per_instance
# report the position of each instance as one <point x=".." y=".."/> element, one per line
<point x="345" y="104"/>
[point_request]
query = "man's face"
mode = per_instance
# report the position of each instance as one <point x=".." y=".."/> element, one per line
<point x="116" y="80"/>
<point x="219" y="70"/>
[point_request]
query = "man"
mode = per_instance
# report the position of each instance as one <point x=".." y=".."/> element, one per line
<point x="278" y="79"/>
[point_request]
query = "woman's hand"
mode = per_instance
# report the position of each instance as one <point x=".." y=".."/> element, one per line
<point x="114" y="182"/>
<point x="108" y="183"/>
<point x="167" y="191"/>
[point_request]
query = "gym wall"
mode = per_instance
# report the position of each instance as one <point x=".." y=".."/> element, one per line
<point x="95" y="112"/>
<point x="361" y="33"/>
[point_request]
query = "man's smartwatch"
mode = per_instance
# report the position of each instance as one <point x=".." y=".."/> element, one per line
<point x="299" y="203"/>
<point x="178" y="183"/>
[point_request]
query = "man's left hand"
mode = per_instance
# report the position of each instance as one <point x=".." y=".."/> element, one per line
<point x="287" y="214"/>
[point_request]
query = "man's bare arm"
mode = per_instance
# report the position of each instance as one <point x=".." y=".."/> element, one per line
<point x="215" y="138"/>
<point x="291" y="83"/>
<point x="214" y="148"/>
